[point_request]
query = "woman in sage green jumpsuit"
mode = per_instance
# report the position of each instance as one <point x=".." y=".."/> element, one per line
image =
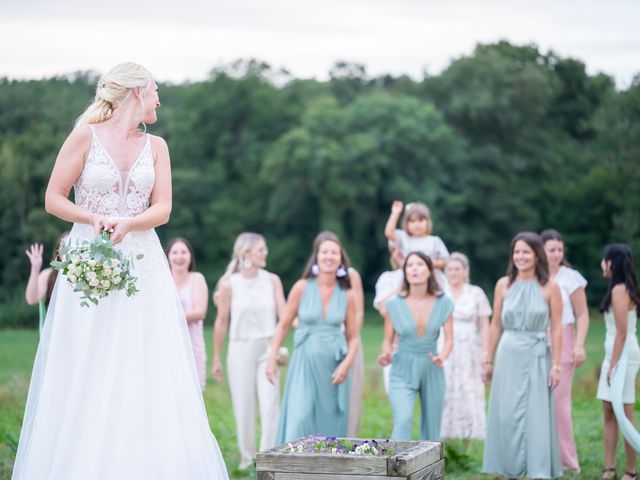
<point x="416" y="316"/>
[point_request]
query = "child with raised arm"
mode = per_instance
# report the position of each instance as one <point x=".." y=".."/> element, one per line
<point x="416" y="236"/>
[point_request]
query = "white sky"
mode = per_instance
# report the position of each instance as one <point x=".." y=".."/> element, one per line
<point x="179" y="40"/>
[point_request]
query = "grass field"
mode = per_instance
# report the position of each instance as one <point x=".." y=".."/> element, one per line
<point x="17" y="350"/>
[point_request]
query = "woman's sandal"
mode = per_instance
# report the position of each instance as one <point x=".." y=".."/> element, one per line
<point x="631" y="475"/>
<point x="609" y="474"/>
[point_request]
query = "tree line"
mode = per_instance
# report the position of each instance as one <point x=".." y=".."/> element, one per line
<point x="506" y="139"/>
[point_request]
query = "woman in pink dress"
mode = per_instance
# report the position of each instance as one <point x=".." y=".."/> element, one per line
<point x="194" y="293"/>
<point x="464" y="404"/>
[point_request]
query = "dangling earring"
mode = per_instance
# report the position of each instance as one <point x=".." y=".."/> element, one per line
<point x="341" y="272"/>
<point x="144" y="128"/>
<point x="246" y="264"/>
<point x="315" y="269"/>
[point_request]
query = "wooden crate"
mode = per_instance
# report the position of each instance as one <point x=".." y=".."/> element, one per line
<point x="412" y="460"/>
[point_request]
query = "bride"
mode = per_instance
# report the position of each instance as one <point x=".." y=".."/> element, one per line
<point x="114" y="392"/>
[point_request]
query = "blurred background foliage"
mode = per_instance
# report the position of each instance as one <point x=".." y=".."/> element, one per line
<point x="506" y="139"/>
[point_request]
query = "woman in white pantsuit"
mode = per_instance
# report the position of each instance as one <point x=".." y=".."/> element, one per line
<point x="254" y="298"/>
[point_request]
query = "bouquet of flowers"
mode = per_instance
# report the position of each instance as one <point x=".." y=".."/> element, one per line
<point x="96" y="268"/>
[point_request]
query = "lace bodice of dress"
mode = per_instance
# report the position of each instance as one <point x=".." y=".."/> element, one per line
<point x="102" y="188"/>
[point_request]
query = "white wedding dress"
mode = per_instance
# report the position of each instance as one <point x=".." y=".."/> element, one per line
<point x="114" y="393"/>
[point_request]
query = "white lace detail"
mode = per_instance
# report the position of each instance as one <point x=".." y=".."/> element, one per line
<point x="101" y="189"/>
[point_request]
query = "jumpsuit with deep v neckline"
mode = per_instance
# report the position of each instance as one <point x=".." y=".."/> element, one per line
<point x="413" y="372"/>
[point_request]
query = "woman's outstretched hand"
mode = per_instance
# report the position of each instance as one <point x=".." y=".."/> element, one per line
<point x="35" y="256"/>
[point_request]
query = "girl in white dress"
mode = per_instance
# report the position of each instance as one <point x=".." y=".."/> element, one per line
<point x="620" y="307"/>
<point x="114" y="392"/>
<point x="416" y="236"/>
<point x="194" y="296"/>
<point x="464" y="402"/>
<point x="254" y="299"/>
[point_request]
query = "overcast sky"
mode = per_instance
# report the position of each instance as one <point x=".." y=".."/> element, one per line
<point x="184" y="39"/>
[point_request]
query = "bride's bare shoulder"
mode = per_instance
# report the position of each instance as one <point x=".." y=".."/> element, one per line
<point x="159" y="147"/>
<point x="81" y="136"/>
<point x="158" y="142"/>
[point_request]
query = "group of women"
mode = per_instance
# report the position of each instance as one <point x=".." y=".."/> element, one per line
<point x="529" y="430"/>
<point x="142" y="415"/>
<point x="530" y="351"/>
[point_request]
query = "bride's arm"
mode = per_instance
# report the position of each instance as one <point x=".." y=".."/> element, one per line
<point x="66" y="172"/>
<point x="159" y="211"/>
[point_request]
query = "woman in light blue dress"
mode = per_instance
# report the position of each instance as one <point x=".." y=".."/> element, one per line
<point x="521" y="429"/>
<point x="316" y="392"/>
<point x="620" y="306"/>
<point x="416" y="316"/>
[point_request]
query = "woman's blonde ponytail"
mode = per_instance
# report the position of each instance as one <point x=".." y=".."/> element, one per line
<point x="113" y="91"/>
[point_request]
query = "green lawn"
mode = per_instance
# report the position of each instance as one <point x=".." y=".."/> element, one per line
<point x="17" y="349"/>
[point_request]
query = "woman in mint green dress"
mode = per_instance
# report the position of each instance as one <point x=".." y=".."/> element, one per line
<point x="316" y="392"/>
<point x="416" y="316"/>
<point x="521" y="428"/>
